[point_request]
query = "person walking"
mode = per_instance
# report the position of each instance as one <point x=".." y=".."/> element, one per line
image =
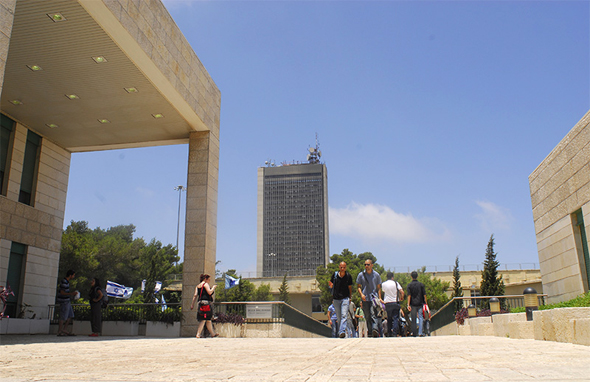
<point x="204" y="294"/>
<point x="96" y="295"/>
<point x="66" y="312"/>
<point x="360" y="316"/>
<point x="333" y="320"/>
<point x="341" y="284"/>
<point x="394" y="294"/>
<point x="369" y="287"/>
<point x="416" y="301"/>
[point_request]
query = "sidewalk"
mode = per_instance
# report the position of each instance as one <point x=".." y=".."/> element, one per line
<point x="445" y="358"/>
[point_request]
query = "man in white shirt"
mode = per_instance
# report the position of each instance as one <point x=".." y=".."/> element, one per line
<point x="394" y="294"/>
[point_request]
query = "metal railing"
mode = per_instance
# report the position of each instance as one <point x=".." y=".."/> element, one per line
<point x="446" y="314"/>
<point x="125" y="312"/>
<point x="280" y="313"/>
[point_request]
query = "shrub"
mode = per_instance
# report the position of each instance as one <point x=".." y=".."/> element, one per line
<point x="223" y="318"/>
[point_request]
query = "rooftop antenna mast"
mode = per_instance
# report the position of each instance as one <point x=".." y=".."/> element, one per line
<point x="314" y="152"/>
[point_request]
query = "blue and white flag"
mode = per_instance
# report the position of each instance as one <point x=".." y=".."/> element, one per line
<point x="143" y="285"/>
<point x="158" y="286"/>
<point x="164" y="306"/>
<point x="118" y="290"/>
<point x="230" y="282"/>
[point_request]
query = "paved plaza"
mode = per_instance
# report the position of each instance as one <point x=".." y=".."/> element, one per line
<point x="452" y="358"/>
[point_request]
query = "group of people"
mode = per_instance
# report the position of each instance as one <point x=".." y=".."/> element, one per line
<point x="66" y="312"/>
<point x="377" y="300"/>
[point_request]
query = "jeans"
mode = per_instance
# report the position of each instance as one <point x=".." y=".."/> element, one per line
<point x="417" y="311"/>
<point x="341" y="307"/>
<point x="370" y="316"/>
<point x="392" y="309"/>
<point x="334" y="329"/>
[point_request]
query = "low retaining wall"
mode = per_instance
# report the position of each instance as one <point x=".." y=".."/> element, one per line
<point x="570" y="325"/>
<point x="262" y="330"/>
<point x="24" y="326"/>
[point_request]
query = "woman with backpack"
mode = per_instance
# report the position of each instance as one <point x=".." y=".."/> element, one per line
<point x="96" y="296"/>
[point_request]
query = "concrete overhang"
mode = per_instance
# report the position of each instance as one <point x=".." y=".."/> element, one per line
<point x="64" y="51"/>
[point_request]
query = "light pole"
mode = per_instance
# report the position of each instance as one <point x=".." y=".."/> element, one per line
<point x="179" y="189"/>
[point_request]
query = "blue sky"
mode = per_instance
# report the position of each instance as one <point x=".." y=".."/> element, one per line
<point x="430" y="118"/>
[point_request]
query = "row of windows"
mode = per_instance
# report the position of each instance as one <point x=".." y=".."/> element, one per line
<point x="30" y="160"/>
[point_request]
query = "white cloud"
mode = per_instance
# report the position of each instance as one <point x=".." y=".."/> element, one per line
<point x="493" y="217"/>
<point x="145" y="192"/>
<point x="378" y="222"/>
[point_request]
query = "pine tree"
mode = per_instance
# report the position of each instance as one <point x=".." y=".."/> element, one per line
<point x="491" y="284"/>
<point x="284" y="291"/>
<point x="457" y="290"/>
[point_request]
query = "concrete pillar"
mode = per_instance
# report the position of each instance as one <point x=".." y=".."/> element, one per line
<point x="201" y="220"/>
<point x="6" y="20"/>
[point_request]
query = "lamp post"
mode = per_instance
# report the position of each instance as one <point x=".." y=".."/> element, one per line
<point x="531" y="302"/>
<point x="179" y="189"/>
<point x="471" y="310"/>
<point x="494" y="305"/>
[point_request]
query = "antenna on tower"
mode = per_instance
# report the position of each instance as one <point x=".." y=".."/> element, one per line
<point x="314" y="152"/>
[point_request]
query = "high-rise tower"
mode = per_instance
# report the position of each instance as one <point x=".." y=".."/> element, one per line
<point x="293" y="217"/>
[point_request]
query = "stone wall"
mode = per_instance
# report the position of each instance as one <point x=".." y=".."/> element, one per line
<point x="570" y="325"/>
<point x="39" y="226"/>
<point x="560" y="186"/>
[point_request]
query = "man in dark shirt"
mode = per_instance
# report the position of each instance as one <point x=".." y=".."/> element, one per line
<point x="416" y="301"/>
<point x="66" y="313"/>
<point x="341" y="284"/>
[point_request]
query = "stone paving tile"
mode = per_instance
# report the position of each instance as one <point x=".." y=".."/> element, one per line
<point x="454" y="358"/>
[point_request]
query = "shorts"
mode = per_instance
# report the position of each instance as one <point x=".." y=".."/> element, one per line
<point x="66" y="311"/>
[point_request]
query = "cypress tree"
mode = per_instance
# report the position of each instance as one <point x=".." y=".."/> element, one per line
<point x="457" y="290"/>
<point x="491" y="284"/>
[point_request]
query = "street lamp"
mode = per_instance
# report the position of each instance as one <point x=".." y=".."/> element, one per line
<point x="531" y="302"/>
<point x="179" y="189"/>
<point x="495" y="305"/>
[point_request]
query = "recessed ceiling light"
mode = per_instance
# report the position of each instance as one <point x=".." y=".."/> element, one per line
<point x="99" y="59"/>
<point x="102" y="120"/>
<point x="51" y="125"/>
<point x="15" y="102"/>
<point x="56" y="17"/>
<point x="72" y="96"/>
<point x="158" y="115"/>
<point x="131" y="90"/>
<point x="34" y="68"/>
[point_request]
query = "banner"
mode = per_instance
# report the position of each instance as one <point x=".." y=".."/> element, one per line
<point x="118" y="290"/>
<point x="230" y="282"/>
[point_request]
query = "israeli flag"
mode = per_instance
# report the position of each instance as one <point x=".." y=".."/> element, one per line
<point x="118" y="290"/>
<point x="158" y="286"/>
<point x="143" y="285"/>
<point x="164" y="306"/>
<point x="230" y="282"/>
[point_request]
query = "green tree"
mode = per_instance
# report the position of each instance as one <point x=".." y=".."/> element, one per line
<point x="491" y="282"/>
<point x="113" y="254"/>
<point x="284" y="291"/>
<point x="262" y="293"/>
<point x="457" y="290"/>
<point x="157" y="262"/>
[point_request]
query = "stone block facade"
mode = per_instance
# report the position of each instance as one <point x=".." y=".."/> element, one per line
<point x="148" y="38"/>
<point x="37" y="226"/>
<point x="560" y="189"/>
